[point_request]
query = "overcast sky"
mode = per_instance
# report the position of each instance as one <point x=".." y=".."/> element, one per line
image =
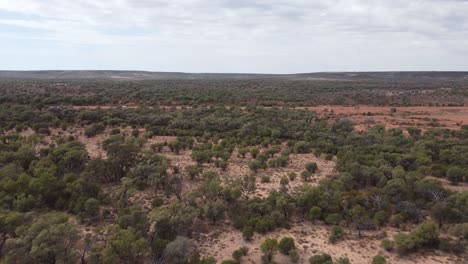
<point x="265" y="36"/>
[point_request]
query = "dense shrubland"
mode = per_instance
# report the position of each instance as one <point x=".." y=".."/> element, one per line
<point x="48" y="191"/>
<point x="267" y="92"/>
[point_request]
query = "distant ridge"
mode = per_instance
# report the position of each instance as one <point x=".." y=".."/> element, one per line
<point x="146" y="75"/>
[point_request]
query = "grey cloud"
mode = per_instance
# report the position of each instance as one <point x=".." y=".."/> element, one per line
<point x="284" y="30"/>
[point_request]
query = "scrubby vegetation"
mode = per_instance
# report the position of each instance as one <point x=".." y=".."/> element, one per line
<point x="137" y="202"/>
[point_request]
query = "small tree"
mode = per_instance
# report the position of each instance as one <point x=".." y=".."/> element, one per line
<point x="247" y="232"/>
<point x="311" y="167"/>
<point x="269" y="248"/>
<point x="255" y="165"/>
<point x="292" y="176"/>
<point x="286" y="244"/>
<point x="239" y="253"/>
<point x="178" y="251"/>
<point x="192" y="171"/>
<point x="321" y="259"/>
<point x="343" y="260"/>
<point x="215" y="210"/>
<point x="305" y="175"/>
<point x="379" y="260"/>
<point x="315" y="213"/>
<point x="254" y="152"/>
<point x="336" y="233"/>
<point x="455" y="175"/>
<point x="284" y="183"/>
<point x="242" y="152"/>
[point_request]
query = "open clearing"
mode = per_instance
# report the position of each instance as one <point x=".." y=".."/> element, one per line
<point x="312" y="239"/>
<point x="415" y="116"/>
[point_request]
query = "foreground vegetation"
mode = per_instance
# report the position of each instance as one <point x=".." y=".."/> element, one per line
<point x="59" y="205"/>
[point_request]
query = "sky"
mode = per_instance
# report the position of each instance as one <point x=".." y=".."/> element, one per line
<point x="256" y="36"/>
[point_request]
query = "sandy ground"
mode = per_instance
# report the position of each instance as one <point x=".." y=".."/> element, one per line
<point x="238" y="167"/>
<point x="462" y="186"/>
<point x="311" y="239"/>
<point x="418" y="116"/>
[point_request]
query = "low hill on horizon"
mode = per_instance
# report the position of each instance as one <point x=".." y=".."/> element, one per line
<point x="147" y="75"/>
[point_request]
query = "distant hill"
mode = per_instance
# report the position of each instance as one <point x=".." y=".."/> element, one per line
<point x="146" y="75"/>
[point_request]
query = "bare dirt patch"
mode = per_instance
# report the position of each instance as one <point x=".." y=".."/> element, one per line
<point x="310" y="239"/>
<point x="461" y="187"/>
<point x="419" y="116"/>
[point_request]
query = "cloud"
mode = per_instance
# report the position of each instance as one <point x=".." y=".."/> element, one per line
<point x="256" y="35"/>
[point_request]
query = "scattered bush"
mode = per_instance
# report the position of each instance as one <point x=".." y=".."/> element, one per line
<point x="379" y="260"/>
<point x="286" y="244"/>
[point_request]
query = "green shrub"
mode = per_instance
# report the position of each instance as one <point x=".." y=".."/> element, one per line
<point x="157" y="202"/>
<point x="311" y="167"/>
<point x="379" y="260"/>
<point x="425" y="235"/>
<point x="292" y="176"/>
<point x="315" y="212"/>
<point x="237" y="255"/>
<point x="305" y="175"/>
<point x="387" y="244"/>
<point x="321" y="259"/>
<point x="265" y="179"/>
<point x="230" y="261"/>
<point x="381" y="217"/>
<point x="455" y="174"/>
<point x="293" y="256"/>
<point x="247" y="232"/>
<point x="343" y="260"/>
<point x="336" y="233"/>
<point x="333" y="219"/>
<point x="286" y="244"/>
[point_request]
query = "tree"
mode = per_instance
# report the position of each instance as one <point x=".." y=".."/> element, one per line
<point x="305" y="175"/>
<point x="440" y="213"/>
<point x="286" y="244"/>
<point x="284" y="181"/>
<point x="178" y="251"/>
<point x="379" y="260"/>
<point x="254" y="152"/>
<point x="459" y="230"/>
<point x="247" y="232"/>
<point x="343" y="260"/>
<point x="125" y="246"/>
<point x="455" y="174"/>
<point x="314" y="213"/>
<point x="248" y="185"/>
<point x="9" y="221"/>
<point x="49" y="239"/>
<point x="239" y="253"/>
<point x="215" y="210"/>
<point x="302" y="147"/>
<point x="242" y="152"/>
<point x="311" y="167"/>
<point x="426" y="234"/>
<point x="269" y="248"/>
<point x="122" y="153"/>
<point x="336" y="233"/>
<point x="333" y="219"/>
<point x="414" y="131"/>
<point x="360" y="218"/>
<point x="91" y="207"/>
<point x="321" y="259"/>
<point x="343" y="126"/>
<point x="254" y="165"/>
<point x="192" y="171"/>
